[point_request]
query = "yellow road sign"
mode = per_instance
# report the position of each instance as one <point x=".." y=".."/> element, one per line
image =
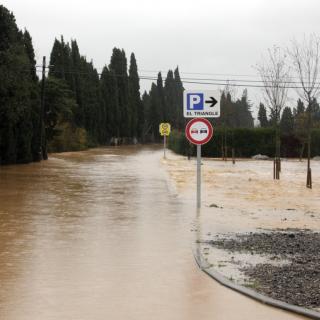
<point x="164" y="129"/>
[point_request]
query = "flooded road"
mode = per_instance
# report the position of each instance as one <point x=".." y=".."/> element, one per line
<point x="101" y="235"/>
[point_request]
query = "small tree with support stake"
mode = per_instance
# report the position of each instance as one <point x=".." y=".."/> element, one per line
<point x="275" y="76"/>
<point x="306" y="62"/>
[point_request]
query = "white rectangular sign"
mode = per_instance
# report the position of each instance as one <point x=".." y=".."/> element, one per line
<point x="201" y="104"/>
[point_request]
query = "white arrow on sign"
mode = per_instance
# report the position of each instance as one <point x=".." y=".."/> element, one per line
<point x="201" y="104"/>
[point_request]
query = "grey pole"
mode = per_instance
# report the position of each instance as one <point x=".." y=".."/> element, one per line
<point x="198" y="176"/>
<point x="43" y="149"/>
<point x="164" y="146"/>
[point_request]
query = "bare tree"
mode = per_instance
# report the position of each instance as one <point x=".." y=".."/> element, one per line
<point x="306" y="62"/>
<point x="275" y="76"/>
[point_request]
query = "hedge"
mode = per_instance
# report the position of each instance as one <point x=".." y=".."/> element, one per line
<point x="246" y="142"/>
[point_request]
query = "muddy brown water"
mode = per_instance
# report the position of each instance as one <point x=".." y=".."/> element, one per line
<point x="100" y="235"/>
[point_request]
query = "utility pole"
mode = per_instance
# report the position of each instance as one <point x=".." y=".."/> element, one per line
<point x="43" y="140"/>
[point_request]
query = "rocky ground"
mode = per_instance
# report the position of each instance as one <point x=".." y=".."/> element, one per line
<point x="297" y="281"/>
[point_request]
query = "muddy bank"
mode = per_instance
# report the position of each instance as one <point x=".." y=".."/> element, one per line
<point x="291" y="270"/>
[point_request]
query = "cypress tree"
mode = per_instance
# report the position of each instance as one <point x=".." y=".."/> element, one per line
<point x="118" y="65"/>
<point x="109" y="92"/>
<point x="170" y="99"/>
<point x="155" y="110"/>
<point x="262" y="116"/>
<point x="90" y="113"/>
<point x="146" y="115"/>
<point x="135" y="103"/>
<point x="61" y="62"/>
<point x="17" y="88"/>
<point x="228" y="111"/>
<point x="91" y="103"/>
<point x="34" y="98"/>
<point x="244" y="111"/>
<point x="77" y="83"/>
<point x="83" y="79"/>
<point x="163" y="110"/>
<point x="27" y="41"/>
<point x="179" y="99"/>
<point x="173" y="92"/>
<point x="287" y="121"/>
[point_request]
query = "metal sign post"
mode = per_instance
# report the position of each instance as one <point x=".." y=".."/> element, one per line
<point x="199" y="131"/>
<point x="199" y="104"/>
<point x="164" y="129"/>
<point x="198" y="176"/>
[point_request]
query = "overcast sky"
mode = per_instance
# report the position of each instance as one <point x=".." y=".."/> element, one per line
<point x="201" y="36"/>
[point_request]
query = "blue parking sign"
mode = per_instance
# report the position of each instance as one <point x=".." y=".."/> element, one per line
<point x="201" y="103"/>
<point x="195" y="101"/>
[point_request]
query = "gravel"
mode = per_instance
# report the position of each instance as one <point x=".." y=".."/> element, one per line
<point x="297" y="281"/>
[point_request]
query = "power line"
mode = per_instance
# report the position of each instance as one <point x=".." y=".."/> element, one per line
<point x="229" y="80"/>
<point x="205" y="74"/>
<point x="201" y="81"/>
<point x="226" y="80"/>
<point x="218" y="82"/>
<point x="215" y="74"/>
<point x="212" y="74"/>
<point x="233" y="85"/>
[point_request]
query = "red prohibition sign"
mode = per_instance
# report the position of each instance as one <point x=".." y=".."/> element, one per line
<point x="199" y="131"/>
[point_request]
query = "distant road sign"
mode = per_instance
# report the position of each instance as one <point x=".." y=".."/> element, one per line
<point x="199" y="131"/>
<point x="201" y="104"/>
<point x="165" y="129"/>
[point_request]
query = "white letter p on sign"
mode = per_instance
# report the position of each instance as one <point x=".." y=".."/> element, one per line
<point x="194" y="100"/>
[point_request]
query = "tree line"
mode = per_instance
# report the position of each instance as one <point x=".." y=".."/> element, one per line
<point x="104" y="106"/>
<point x="81" y="107"/>
<point x="84" y="107"/>
<point x="107" y="106"/>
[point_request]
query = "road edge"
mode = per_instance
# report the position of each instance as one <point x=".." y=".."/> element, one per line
<point x="251" y="293"/>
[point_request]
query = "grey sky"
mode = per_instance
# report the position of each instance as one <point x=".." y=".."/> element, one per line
<point x="220" y="37"/>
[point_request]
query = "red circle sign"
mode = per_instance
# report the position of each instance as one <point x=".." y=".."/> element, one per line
<point x="199" y="131"/>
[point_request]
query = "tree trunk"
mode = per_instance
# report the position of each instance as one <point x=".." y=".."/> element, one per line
<point x="301" y="151"/>
<point x="309" y="179"/>
<point x="277" y="163"/>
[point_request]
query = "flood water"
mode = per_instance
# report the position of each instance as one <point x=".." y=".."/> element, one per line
<point x="99" y="235"/>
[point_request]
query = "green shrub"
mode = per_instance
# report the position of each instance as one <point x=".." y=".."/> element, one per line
<point x="315" y="142"/>
<point x="246" y="142"/>
<point x="68" y="138"/>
